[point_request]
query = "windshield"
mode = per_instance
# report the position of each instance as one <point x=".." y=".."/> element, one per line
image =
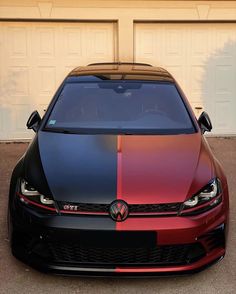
<point x="129" y="107"/>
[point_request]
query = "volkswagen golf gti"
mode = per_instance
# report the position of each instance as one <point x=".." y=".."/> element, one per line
<point x="118" y="179"/>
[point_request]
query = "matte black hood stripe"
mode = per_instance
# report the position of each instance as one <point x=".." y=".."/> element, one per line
<point x="33" y="169"/>
<point x="80" y="168"/>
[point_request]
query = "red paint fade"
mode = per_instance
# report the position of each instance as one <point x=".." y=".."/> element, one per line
<point x="119" y="167"/>
<point x="119" y="173"/>
<point x="161" y="169"/>
<point x="165" y="169"/>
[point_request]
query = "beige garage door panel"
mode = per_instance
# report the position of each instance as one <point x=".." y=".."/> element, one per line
<point x="202" y="57"/>
<point x="35" y="57"/>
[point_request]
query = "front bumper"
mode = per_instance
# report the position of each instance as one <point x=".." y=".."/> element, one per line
<point x="51" y="243"/>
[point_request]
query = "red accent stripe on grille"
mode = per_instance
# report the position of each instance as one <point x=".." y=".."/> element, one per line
<point x="35" y="203"/>
<point x="83" y="212"/>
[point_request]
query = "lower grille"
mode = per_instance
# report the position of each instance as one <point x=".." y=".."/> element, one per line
<point x="214" y="239"/>
<point x="160" y="255"/>
<point x="60" y="250"/>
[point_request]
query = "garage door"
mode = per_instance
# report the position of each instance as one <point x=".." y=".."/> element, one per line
<point x="202" y="57"/>
<point x="35" y="57"/>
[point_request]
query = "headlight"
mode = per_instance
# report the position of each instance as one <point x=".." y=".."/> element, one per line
<point x="29" y="195"/>
<point x="205" y="199"/>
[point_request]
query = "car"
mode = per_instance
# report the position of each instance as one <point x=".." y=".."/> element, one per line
<point x="119" y="179"/>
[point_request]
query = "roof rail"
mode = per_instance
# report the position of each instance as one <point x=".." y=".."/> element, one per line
<point x="119" y="63"/>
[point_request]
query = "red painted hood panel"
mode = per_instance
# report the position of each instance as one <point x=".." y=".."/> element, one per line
<point x="162" y="169"/>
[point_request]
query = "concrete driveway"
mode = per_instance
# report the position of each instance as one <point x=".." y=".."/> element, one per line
<point x="15" y="277"/>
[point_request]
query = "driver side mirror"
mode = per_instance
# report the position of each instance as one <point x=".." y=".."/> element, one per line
<point x="204" y="122"/>
<point x="34" y="121"/>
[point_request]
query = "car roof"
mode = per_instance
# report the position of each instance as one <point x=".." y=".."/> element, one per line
<point x="123" y="70"/>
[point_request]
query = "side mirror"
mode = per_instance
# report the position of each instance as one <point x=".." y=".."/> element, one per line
<point x="34" y="121"/>
<point x="205" y="122"/>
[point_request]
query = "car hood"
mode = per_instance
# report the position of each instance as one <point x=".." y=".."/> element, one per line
<point x="138" y="169"/>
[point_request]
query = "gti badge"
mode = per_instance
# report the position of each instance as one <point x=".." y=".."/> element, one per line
<point x="70" y="207"/>
<point x="119" y="210"/>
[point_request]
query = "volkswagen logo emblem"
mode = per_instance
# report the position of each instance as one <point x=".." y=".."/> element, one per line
<point x="119" y="210"/>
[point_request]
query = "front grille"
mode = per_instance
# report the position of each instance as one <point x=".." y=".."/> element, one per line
<point x="86" y="207"/>
<point x="154" y="208"/>
<point x="72" y="253"/>
<point x="134" y="209"/>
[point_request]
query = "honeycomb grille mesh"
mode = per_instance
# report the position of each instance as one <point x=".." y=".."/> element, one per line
<point x="160" y="255"/>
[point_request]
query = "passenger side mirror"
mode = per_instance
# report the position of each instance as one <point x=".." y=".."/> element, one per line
<point x="205" y="122"/>
<point x="34" y="121"/>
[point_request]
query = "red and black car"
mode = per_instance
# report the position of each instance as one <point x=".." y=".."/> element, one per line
<point x="119" y="179"/>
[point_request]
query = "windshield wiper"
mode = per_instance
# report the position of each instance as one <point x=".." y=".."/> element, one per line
<point x="67" y="131"/>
